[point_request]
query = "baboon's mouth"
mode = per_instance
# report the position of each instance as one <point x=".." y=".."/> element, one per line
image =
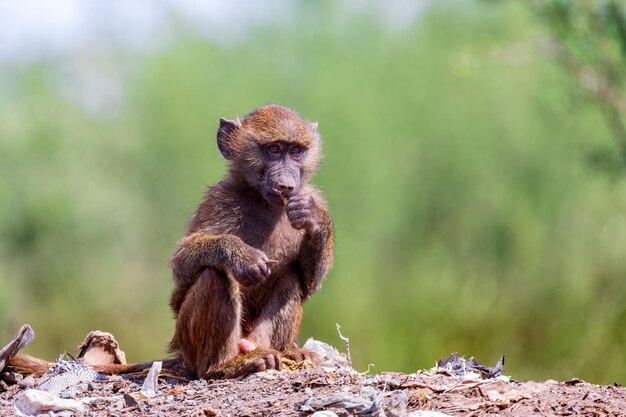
<point x="275" y="199"/>
<point x="281" y="196"/>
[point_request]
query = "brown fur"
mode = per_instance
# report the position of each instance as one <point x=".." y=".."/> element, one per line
<point x="213" y="308"/>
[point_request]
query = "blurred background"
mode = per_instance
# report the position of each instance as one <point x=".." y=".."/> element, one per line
<point x="474" y="167"/>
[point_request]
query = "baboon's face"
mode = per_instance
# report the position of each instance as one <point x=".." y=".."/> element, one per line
<point x="281" y="174"/>
<point x="272" y="149"/>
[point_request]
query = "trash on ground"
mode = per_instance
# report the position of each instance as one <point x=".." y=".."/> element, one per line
<point x="329" y="355"/>
<point x="369" y="402"/>
<point x="34" y="402"/>
<point x="458" y="366"/>
<point x="150" y="386"/>
<point x="64" y="378"/>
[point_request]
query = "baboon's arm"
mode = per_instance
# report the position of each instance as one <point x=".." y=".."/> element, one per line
<point x="225" y="252"/>
<point x="316" y="252"/>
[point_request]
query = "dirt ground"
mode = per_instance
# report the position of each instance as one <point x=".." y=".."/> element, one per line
<point x="343" y="391"/>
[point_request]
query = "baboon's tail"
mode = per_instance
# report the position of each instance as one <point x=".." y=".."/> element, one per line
<point x="29" y="365"/>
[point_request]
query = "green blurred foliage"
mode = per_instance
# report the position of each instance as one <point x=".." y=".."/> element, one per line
<point x="471" y="213"/>
<point x="588" y="38"/>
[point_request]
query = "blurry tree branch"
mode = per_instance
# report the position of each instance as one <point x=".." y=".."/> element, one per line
<point x="588" y="37"/>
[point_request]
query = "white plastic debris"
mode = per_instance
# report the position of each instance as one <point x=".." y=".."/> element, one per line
<point x="329" y="355"/>
<point x="425" y="413"/>
<point x="150" y="386"/>
<point x="324" y="413"/>
<point x="33" y="402"/>
<point x="66" y="378"/>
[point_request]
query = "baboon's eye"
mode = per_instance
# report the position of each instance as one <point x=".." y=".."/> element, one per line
<point x="296" y="150"/>
<point x="273" y="149"/>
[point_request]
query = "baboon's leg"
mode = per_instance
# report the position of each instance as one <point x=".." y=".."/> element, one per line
<point x="208" y="323"/>
<point x="278" y="317"/>
<point x="277" y="324"/>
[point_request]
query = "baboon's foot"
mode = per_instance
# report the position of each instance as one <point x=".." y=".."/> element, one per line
<point x="302" y="355"/>
<point x="257" y="360"/>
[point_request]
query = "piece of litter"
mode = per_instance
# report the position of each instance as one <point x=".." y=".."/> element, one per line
<point x="328" y="354"/>
<point x="425" y="413"/>
<point x="458" y="366"/>
<point x="64" y="378"/>
<point x="33" y="402"/>
<point x="150" y="386"/>
<point x="324" y="413"/>
<point x="347" y="342"/>
<point x="368" y="402"/>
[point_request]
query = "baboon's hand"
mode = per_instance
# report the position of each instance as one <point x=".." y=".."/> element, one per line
<point x="303" y="213"/>
<point x="250" y="268"/>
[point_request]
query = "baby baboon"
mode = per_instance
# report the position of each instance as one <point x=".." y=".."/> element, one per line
<point x="258" y="246"/>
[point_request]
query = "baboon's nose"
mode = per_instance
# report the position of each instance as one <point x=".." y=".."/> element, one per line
<point x="285" y="189"/>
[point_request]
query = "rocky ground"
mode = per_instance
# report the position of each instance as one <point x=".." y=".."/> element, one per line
<point x="454" y="387"/>
<point x="340" y="390"/>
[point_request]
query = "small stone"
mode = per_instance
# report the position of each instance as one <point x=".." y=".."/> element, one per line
<point x="3" y="386"/>
<point x="117" y="385"/>
<point x="28" y="382"/>
<point x="12" y="377"/>
<point x="130" y="401"/>
<point x="206" y="412"/>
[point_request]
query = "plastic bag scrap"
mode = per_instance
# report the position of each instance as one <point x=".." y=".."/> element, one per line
<point x="64" y="378"/>
<point x="461" y="367"/>
<point x="368" y="403"/>
<point x="329" y="355"/>
<point x="150" y="387"/>
<point x="34" y="402"/>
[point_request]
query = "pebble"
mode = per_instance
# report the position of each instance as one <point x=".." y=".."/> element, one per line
<point x="28" y="382"/>
<point x="12" y="377"/>
<point x="130" y="401"/>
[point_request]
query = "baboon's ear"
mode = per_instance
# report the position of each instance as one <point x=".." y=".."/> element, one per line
<point x="224" y="136"/>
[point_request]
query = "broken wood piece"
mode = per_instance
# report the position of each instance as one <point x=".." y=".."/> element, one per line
<point x="23" y="337"/>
